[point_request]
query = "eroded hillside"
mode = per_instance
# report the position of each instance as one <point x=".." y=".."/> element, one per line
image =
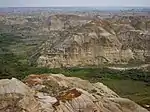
<point x="57" y="93"/>
<point x="79" y="39"/>
<point x="97" y="42"/>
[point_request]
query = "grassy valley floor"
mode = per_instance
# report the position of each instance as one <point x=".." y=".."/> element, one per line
<point x="137" y="91"/>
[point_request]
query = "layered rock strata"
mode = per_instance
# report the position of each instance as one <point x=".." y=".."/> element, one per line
<point x="57" y="93"/>
<point x="95" y="43"/>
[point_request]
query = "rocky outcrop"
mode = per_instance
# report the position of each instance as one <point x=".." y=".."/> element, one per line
<point x="15" y="96"/>
<point x="95" y="43"/>
<point x="80" y="39"/>
<point x="64" y="21"/>
<point x="57" y="93"/>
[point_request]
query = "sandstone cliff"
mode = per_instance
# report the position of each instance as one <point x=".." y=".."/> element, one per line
<point x="80" y="39"/>
<point x="94" y="43"/>
<point x="57" y="93"/>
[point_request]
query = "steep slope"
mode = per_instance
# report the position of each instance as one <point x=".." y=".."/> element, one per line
<point x="96" y="43"/>
<point x="57" y="93"/>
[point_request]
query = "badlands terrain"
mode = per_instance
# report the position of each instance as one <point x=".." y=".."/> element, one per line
<point x="111" y="46"/>
<point x="57" y="93"/>
<point x="70" y="39"/>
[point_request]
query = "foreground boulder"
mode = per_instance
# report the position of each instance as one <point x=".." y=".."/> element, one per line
<point x="15" y="96"/>
<point x="57" y="93"/>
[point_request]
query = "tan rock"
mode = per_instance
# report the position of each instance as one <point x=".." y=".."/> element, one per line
<point x="62" y="94"/>
<point x="15" y="96"/>
<point x="95" y="43"/>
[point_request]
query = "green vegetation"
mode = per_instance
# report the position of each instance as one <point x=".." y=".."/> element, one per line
<point x="137" y="91"/>
<point x="133" y="84"/>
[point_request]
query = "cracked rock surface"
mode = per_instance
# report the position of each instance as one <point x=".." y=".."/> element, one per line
<point x="57" y="93"/>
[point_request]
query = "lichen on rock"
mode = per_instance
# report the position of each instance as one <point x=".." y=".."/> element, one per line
<point x="78" y="95"/>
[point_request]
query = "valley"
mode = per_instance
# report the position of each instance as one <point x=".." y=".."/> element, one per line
<point x="112" y="47"/>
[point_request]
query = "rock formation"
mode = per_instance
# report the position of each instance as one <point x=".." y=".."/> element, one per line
<point x="68" y="39"/>
<point x="57" y="93"/>
<point x="94" y="43"/>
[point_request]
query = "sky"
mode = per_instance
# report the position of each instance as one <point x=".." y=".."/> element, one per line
<point x="47" y="3"/>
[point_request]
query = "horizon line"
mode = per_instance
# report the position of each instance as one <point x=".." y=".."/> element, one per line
<point x="74" y="6"/>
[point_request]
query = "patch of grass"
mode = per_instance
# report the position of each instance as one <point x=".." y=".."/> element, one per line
<point x="137" y="91"/>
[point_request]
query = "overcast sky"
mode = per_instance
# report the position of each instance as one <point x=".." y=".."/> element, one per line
<point x="44" y="3"/>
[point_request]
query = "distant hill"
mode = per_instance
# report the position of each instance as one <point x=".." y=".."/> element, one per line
<point x="66" y="9"/>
